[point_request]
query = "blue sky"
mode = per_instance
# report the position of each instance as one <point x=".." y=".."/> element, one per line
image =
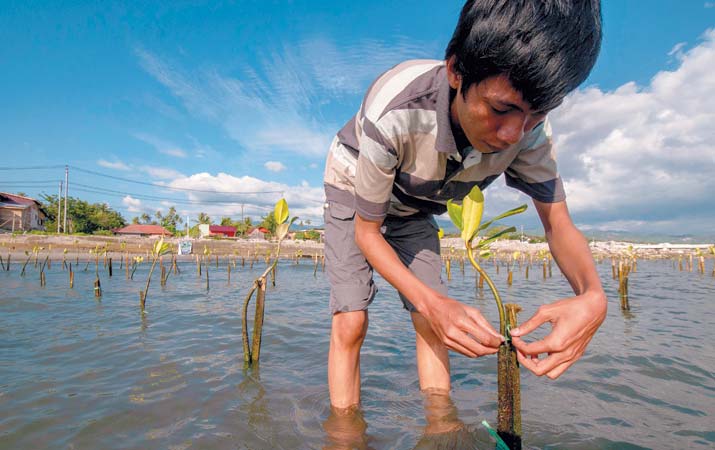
<point x="245" y="97"/>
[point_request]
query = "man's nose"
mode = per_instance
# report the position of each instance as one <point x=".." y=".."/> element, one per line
<point x="512" y="130"/>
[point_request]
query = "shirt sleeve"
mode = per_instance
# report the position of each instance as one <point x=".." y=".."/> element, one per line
<point x="375" y="174"/>
<point x="534" y="170"/>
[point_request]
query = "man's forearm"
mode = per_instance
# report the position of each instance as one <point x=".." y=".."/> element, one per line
<point x="573" y="256"/>
<point x="386" y="262"/>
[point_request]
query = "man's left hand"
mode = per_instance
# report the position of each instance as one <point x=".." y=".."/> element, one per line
<point x="574" y="321"/>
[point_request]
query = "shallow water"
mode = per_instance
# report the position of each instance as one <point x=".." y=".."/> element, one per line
<point x="83" y="374"/>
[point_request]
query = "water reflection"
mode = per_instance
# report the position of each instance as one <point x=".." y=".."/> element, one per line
<point x="347" y="428"/>
<point x="444" y="429"/>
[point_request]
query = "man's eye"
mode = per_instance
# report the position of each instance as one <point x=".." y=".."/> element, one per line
<point x="500" y="111"/>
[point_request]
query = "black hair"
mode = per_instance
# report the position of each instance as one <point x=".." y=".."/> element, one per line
<point x="545" y="47"/>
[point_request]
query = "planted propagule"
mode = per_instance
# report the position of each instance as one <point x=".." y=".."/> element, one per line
<point x="251" y="354"/>
<point x="467" y="218"/>
<point x="160" y="248"/>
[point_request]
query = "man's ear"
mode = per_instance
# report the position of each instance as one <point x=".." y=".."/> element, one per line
<point x="454" y="79"/>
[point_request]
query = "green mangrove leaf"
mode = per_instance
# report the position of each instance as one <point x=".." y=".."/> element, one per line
<point x="161" y="248"/>
<point x="511" y="212"/>
<point x="280" y="212"/>
<point x="485" y="242"/>
<point x="472" y="210"/>
<point x="282" y="230"/>
<point x="485" y="254"/>
<point x="440" y="233"/>
<point x="455" y="213"/>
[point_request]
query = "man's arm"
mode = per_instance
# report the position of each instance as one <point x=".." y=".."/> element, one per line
<point x="460" y="327"/>
<point x="574" y="320"/>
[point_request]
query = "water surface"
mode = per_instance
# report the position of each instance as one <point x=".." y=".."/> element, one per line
<point x="81" y="373"/>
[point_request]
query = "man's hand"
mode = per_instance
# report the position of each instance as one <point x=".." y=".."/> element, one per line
<point x="574" y="321"/>
<point x="462" y="328"/>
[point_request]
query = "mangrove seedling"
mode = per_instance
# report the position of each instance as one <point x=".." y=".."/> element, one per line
<point x="252" y="354"/>
<point x="160" y="248"/>
<point x="467" y="217"/>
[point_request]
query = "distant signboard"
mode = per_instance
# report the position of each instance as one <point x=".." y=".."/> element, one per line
<point x="185" y="247"/>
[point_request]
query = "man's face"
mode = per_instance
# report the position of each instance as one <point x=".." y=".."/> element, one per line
<point x="493" y="115"/>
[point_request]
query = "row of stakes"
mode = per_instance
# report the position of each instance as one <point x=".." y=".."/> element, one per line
<point x="130" y="263"/>
<point x="621" y="267"/>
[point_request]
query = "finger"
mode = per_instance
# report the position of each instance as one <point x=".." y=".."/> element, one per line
<point x="473" y="345"/>
<point x="529" y="362"/>
<point x="559" y="370"/>
<point x="546" y="345"/>
<point x="533" y="323"/>
<point x="484" y="323"/>
<point x="455" y="346"/>
<point x="482" y="335"/>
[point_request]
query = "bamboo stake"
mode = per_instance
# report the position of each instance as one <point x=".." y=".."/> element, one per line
<point x="228" y="270"/>
<point x="71" y="276"/>
<point x="109" y="268"/>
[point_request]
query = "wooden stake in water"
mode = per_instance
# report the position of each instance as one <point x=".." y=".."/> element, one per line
<point x="623" y="272"/>
<point x="71" y="276"/>
<point x="207" y="277"/>
<point x="109" y="268"/>
<point x="448" y="268"/>
<point x="228" y="271"/>
<point x="97" y="288"/>
<point x="8" y="263"/>
<point x="509" y="388"/>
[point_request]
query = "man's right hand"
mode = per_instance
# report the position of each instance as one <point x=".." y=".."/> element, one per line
<point x="461" y="328"/>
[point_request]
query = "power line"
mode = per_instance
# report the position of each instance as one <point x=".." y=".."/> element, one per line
<point x="145" y="183"/>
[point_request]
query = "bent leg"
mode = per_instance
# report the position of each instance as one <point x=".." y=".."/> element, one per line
<point x="346" y="338"/>
<point x="432" y="356"/>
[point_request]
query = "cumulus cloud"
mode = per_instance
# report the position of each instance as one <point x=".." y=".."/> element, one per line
<point x="642" y="153"/>
<point x="227" y="195"/>
<point x="133" y="205"/>
<point x="638" y="158"/>
<point x="116" y="165"/>
<point x="274" y="166"/>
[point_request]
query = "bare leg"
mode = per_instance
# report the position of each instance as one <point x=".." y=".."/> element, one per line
<point x="346" y="338"/>
<point x="432" y="357"/>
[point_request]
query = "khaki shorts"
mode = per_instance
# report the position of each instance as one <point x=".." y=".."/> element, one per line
<point x="352" y="288"/>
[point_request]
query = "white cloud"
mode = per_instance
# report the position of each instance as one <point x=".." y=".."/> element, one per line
<point x="274" y="166"/>
<point x="257" y="197"/>
<point x="162" y="146"/>
<point x="133" y="205"/>
<point x="116" y="165"/>
<point x="642" y="153"/>
<point x="162" y="173"/>
<point x="271" y="110"/>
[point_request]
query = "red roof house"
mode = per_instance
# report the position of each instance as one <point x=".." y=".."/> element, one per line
<point x="143" y="230"/>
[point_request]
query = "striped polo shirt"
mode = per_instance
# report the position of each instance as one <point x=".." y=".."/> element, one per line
<point x="398" y="154"/>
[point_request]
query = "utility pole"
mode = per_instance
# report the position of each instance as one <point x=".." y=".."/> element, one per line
<point x="67" y="185"/>
<point x="59" y="204"/>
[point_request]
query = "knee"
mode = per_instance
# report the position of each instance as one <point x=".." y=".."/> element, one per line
<point x="349" y="329"/>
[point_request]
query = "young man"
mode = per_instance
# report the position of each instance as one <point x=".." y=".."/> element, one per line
<point x="428" y="131"/>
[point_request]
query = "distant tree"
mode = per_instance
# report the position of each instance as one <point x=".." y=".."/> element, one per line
<point x="243" y="227"/>
<point x="226" y="222"/>
<point x="170" y="220"/>
<point x="204" y="218"/>
<point x="22" y="194"/>
<point x="135" y="220"/>
<point x="82" y="217"/>
<point x="269" y="222"/>
<point x="145" y="219"/>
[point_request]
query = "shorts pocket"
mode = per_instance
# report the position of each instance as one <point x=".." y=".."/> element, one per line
<point x="340" y="212"/>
